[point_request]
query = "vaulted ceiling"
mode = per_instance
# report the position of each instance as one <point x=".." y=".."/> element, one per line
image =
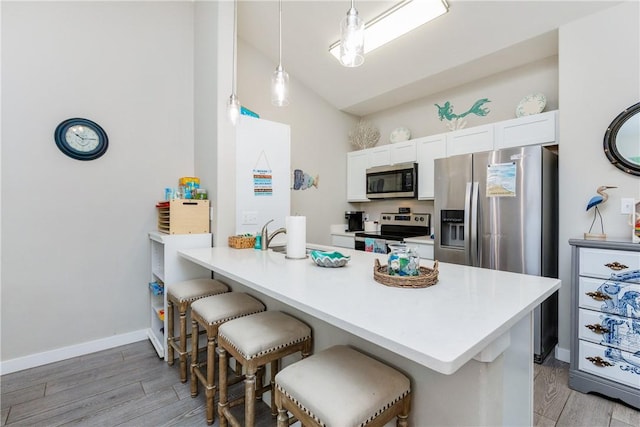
<point x="473" y="40"/>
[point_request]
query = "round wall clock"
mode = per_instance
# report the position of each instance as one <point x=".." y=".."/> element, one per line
<point x="81" y="139"/>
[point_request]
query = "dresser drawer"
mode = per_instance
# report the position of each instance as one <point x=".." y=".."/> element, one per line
<point x="610" y="363"/>
<point x="621" y="298"/>
<point x="603" y="262"/>
<point x="609" y="330"/>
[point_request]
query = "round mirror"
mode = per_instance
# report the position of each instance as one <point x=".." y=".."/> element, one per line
<point x="622" y="141"/>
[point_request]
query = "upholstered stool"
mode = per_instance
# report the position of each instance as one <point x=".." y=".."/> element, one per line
<point x="181" y="295"/>
<point x="342" y="387"/>
<point x="210" y="313"/>
<point x="255" y="341"/>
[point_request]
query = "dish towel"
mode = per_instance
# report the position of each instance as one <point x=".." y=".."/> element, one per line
<point x="375" y="245"/>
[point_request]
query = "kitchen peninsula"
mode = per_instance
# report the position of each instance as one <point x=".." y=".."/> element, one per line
<point x="466" y="343"/>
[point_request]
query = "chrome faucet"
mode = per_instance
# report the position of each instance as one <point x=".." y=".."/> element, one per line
<point x="266" y="238"/>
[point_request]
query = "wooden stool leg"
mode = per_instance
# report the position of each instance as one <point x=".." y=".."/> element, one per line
<point x="210" y="392"/>
<point x="274" y="371"/>
<point x="403" y="417"/>
<point x="183" y="342"/>
<point x="222" y="386"/>
<point x="283" y="417"/>
<point x="250" y="398"/>
<point x="170" y="332"/>
<point x="194" y="358"/>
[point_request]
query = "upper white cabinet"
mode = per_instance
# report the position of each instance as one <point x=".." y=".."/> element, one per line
<point x="472" y="140"/>
<point x="428" y="149"/>
<point x="403" y="152"/>
<point x="527" y="130"/>
<point x="379" y="156"/>
<point x="357" y="164"/>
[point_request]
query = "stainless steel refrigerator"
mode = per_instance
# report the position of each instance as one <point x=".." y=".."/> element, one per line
<point x="499" y="210"/>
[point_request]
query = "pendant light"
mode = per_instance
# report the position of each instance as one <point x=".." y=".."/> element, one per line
<point x="233" y="106"/>
<point x="352" y="39"/>
<point x="280" y="78"/>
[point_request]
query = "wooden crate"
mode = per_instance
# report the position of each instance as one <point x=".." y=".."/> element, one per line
<point x="183" y="216"/>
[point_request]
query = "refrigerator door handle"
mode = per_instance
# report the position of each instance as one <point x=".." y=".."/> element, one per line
<point x="467" y="223"/>
<point x="475" y="199"/>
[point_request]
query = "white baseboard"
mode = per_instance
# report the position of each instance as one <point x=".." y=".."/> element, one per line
<point x="562" y="354"/>
<point x="39" y="359"/>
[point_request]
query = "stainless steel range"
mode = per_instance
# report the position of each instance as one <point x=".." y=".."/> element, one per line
<point x="394" y="228"/>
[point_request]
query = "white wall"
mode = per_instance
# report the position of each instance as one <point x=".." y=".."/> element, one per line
<point x="319" y="140"/>
<point x="504" y="90"/>
<point x="599" y="77"/>
<point x="75" y="262"/>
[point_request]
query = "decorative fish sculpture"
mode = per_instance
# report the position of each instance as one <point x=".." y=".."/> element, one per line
<point x="446" y="112"/>
<point x="303" y="180"/>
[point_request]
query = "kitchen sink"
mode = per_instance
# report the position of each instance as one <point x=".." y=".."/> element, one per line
<point x="282" y="249"/>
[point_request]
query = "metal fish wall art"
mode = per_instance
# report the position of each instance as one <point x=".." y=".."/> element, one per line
<point x="303" y="180"/>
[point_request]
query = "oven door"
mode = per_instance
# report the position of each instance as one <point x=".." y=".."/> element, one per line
<point x="370" y="244"/>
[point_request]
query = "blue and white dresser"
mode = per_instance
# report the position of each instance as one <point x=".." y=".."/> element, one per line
<point x="605" y="319"/>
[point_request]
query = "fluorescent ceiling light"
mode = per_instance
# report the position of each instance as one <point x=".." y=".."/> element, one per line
<point x="397" y="21"/>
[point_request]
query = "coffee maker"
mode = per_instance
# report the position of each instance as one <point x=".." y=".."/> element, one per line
<point x="355" y="220"/>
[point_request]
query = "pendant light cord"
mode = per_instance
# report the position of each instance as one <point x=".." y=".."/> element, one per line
<point x="235" y="37"/>
<point x="280" y="33"/>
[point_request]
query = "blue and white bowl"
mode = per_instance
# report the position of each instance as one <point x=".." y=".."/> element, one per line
<point x="329" y="259"/>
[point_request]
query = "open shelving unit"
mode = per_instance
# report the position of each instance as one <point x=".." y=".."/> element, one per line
<point x="168" y="268"/>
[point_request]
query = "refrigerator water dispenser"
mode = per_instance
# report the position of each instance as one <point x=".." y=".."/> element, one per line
<point x="452" y="228"/>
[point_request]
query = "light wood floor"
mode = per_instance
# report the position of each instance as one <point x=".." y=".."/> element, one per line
<point x="131" y="386"/>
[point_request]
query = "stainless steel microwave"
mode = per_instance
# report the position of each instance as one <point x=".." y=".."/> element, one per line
<point x="396" y="181"/>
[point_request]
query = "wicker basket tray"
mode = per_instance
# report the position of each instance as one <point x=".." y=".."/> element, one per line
<point x="427" y="277"/>
<point x="242" y="242"/>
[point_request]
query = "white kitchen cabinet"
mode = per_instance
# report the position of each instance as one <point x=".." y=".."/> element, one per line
<point x="528" y="130"/>
<point x="357" y="164"/>
<point x="472" y="140"/>
<point x="403" y="152"/>
<point x="343" y="241"/>
<point x="428" y="149"/>
<point x="167" y="268"/>
<point x="379" y="156"/>
<point x="605" y="340"/>
<point x="425" y="250"/>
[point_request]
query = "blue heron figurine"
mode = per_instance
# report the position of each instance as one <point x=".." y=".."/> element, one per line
<point x="597" y="201"/>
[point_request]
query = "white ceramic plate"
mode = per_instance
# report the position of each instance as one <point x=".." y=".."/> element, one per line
<point x="399" y="134"/>
<point x="531" y="104"/>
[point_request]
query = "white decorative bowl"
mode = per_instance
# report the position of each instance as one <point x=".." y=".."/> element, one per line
<point x="399" y="134"/>
<point x="329" y="259"/>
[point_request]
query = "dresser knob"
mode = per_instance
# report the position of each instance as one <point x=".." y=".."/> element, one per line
<point x="616" y="266"/>
<point x="598" y="329"/>
<point x="598" y="296"/>
<point x="599" y="361"/>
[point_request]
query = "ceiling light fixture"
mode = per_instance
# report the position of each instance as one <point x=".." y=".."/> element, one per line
<point x="280" y="78"/>
<point x="351" y="46"/>
<point x="233" y="106"/>
<point x="395" y="22"/>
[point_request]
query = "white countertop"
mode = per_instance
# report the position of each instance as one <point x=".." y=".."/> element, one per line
<point x="441" y="327"/>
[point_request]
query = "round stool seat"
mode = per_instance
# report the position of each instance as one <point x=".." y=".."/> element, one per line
<point x="263" y="333"/>
<point x="221" y="308"/>
<point x="342" y="387"/>
<point x="191" y="290"/>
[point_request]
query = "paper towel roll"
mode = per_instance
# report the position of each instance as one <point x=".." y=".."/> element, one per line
<point x="296" y="236"/>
